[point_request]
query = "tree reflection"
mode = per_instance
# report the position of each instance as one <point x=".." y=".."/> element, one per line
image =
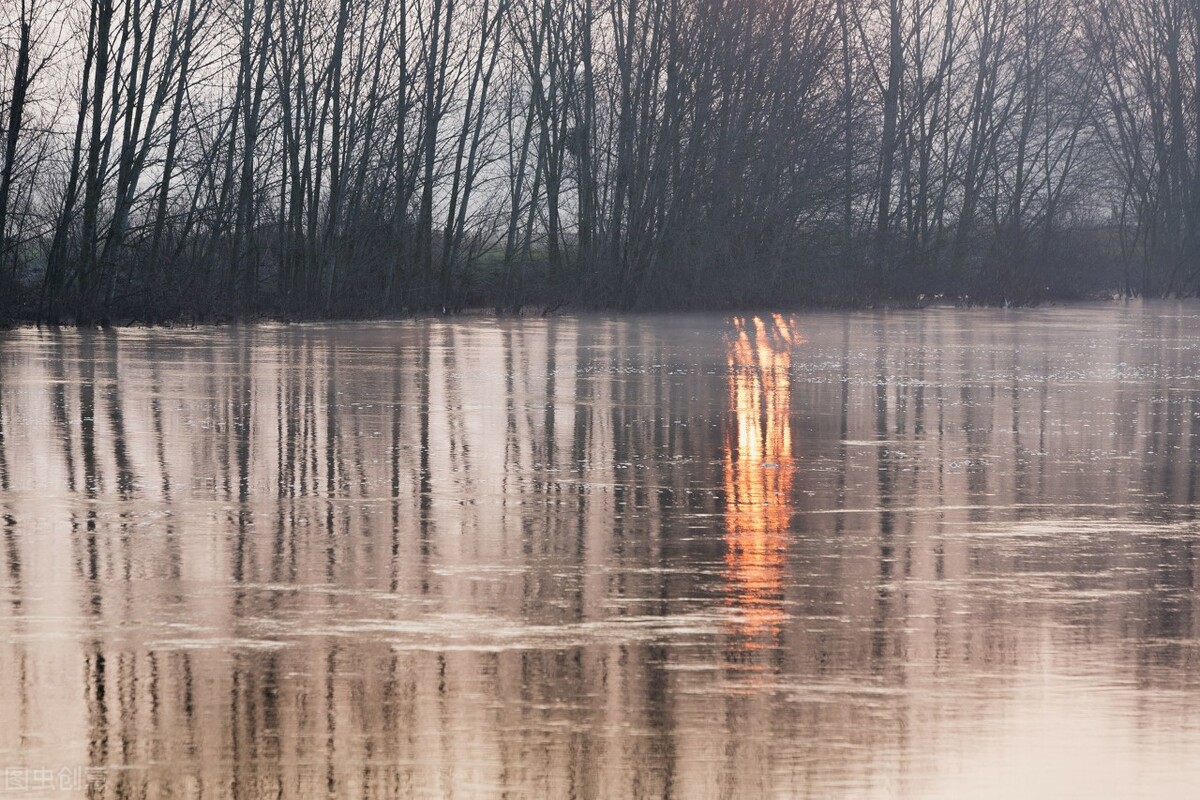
<point x="597" y="558"/>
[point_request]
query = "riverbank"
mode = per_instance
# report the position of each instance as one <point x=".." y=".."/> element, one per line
<point x="195" y="319"/>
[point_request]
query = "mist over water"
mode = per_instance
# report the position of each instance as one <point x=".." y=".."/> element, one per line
<point x="936" y="554"/>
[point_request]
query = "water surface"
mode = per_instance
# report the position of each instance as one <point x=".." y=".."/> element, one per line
<point x="939" y="554"/>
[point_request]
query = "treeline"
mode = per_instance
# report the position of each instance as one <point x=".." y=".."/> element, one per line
<point x="186" y="157"/>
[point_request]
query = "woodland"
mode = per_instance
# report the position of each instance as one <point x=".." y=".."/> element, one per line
<point x="183" y="159"/>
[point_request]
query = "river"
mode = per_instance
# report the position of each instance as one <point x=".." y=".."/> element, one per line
<point x="929" y="554"/>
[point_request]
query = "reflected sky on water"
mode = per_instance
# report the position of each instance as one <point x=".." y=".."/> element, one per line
<point x="936" y="554"/>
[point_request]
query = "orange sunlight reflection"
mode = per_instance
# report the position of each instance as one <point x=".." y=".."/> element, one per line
<point x="758" y="472"/>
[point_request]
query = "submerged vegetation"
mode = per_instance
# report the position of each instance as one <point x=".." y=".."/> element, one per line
<point x="167" y="158"/>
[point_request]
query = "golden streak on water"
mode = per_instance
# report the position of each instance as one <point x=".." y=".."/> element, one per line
<point x="759" y="470"/>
